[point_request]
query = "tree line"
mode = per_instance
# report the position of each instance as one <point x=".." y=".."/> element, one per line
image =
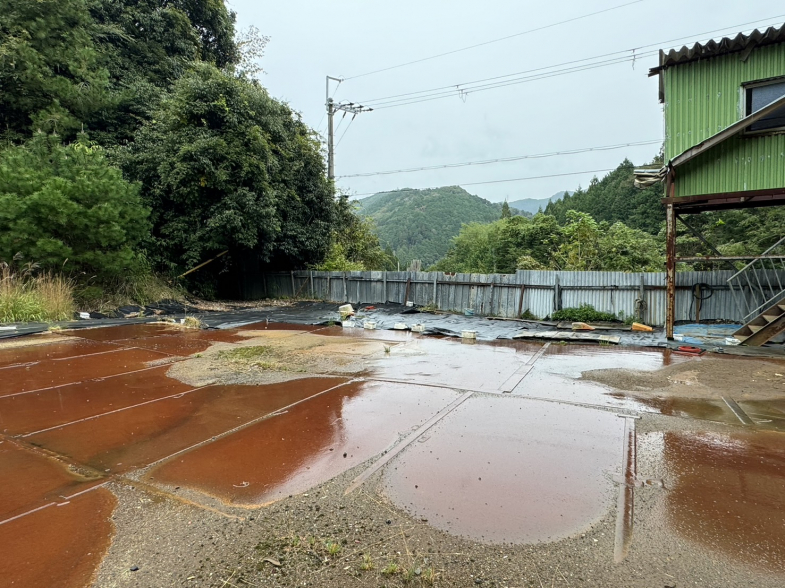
<point x="134" y="137"/>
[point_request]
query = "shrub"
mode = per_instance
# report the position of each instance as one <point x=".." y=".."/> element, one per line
<point x="586" y="313"/>
<point x="67" y="208"/>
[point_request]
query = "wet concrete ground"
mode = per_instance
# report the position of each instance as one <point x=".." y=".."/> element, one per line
<point x="496" y="443"/>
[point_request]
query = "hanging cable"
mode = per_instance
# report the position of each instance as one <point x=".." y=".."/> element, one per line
<point x="594" y="171"/>
<point x="502" y="159"/>
<point x="542" y="28"/>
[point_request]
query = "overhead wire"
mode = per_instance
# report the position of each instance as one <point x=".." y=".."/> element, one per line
<point x="463" y="89"/>
<point x="542" y="28"/>
<point x="594" y="171"/>
<point x="501" y="159"/>
<point x="346" y="130"/>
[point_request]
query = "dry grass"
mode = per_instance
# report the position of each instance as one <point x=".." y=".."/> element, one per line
<point x="25" y="297"/>
<point x="141" y="289"/>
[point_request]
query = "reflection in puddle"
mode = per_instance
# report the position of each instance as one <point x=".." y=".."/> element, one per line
<point x="40" y="351"/>
<point x="308" y="445"/>
<point x="727" y="493"/>
<point x="506" y="469"/>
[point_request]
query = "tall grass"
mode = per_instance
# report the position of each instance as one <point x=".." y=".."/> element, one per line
<point x="26" y="297"/>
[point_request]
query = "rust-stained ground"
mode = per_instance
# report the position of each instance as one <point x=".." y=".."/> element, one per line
<point x="290" y="455"/>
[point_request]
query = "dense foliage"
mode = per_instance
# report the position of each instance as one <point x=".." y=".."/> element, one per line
<point x="163" y="86"/>
<point x="541" y="243"/>
<point x="66" y="206"/>
<point x="419" y="224"/>
<point x="585" y="313"/>
<point x="224" y="166"/>
<point x="614" y="199"/>
<point x="355" y="246"/>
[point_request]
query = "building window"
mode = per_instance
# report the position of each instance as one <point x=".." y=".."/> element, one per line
<point x="762" y="94"/>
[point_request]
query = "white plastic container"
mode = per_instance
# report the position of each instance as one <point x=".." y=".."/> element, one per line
<point x="400" y="327"/>
<point x="469" y="334"/>
<point x="418" y="328"/>
<point x="370" y="325"/>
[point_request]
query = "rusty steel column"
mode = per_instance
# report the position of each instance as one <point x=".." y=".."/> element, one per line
<point x="670" y="268"/>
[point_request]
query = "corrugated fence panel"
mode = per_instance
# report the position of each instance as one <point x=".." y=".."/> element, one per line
<point x="538" y="292"/>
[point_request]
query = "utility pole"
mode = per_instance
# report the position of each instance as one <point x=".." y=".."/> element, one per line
<point x="332" y="108"/>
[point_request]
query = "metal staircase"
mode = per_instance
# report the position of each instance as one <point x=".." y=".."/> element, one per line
<point x="763" y="303"/>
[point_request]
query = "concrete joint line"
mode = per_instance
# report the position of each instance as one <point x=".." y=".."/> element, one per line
<point x="103" y="414"/>
<point x="514" y="381"/>
<point x="380" y="463"/>
<point x="625" y="502"/>
<point x="283" y="410"/>
<point x="738" y="411"/>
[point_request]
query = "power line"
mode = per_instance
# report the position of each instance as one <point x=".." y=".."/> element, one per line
<point x="501" y="160"/>
<point x="494" y="40"/>
<point x="465" y="88"/>
<point x="594" y="171"/>
<point x="346" y="130"/>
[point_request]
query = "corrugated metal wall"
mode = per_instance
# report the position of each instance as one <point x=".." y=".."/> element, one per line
<point x="702" y="98"/>
<point x="500" y="294"/>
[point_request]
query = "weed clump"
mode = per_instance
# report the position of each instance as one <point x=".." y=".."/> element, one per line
<point x="26" y="297"/>
<point x="586" y="313"/>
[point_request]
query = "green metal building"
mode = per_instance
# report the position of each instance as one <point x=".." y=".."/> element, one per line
<point x="724" y="105"/>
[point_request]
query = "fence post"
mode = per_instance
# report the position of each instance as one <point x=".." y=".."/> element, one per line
<point x="435" y="278"/>
<point x="329" y="293"/>
<point x="294" y="290"/>
<point x="556" y="293"/>
<point x="384" y="279"/>
<point x="313" y="294"/>
<point x="345" y="290"/>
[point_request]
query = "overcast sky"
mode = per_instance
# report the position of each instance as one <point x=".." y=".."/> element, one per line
<point x="609" y="105"/>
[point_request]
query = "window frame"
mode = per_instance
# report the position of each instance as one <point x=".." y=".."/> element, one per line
<point x="746" y="89"/>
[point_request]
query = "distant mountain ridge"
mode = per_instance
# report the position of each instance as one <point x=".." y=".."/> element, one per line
<point x="533" y="205"/>
<point x="420" y="224"/>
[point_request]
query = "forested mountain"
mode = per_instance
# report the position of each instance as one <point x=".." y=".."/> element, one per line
<point x="533" y="205"/>
<point x="420" y="224"/>
<point x="615" y="198"/>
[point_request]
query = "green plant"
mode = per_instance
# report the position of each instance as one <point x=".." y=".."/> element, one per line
<point x="26" y="297"/>
<point x="367" y="563"/>
<point x="586" y="313"/>
<point x="528" y="315"/>
<point x="391" y="569"/>
<point x="333" y="548"/>
<point x="428" y="576"/>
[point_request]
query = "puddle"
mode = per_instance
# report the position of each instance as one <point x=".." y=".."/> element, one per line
<point x="556" y="375"/>
<point x="507" y="469"/>
<point x="477" y="367"/>
<point x="59" y="546"/>
<point x="725" y="492"/>
<point x="272" y="326"/>
<point x="59" y="372"/>
<point x="26" y="413"/>
<point x="169" y="344"/>
<point x="125" y="331"/>
<point x="142" y="435"/>
<point x="40" y="351"/>
<point x="30" y="480"/>
<point x="310" y="444"/>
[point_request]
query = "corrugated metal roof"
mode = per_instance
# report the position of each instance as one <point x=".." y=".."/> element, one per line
<point x="738" y="44"/>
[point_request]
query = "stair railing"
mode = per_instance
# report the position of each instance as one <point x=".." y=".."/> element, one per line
<point x="764" y="281"/>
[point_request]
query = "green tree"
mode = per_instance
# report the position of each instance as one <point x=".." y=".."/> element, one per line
<point x="52" y="74"/>
<point x="66" y="206"/>
<point x="506" y="210"/>
<point x="225" y="166"/>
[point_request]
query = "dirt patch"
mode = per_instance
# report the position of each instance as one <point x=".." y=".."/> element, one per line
<point x="269" y="357"/>
<point x="36" y="339"/>
<point x="703" y="378"/>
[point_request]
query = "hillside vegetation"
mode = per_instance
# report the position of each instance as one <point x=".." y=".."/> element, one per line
<point x="535" y="205"/>
<point x="420" y="224"/>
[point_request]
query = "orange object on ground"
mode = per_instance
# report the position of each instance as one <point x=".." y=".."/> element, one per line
<point x="581" y="327"/>
<point x="640" y="327"/>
